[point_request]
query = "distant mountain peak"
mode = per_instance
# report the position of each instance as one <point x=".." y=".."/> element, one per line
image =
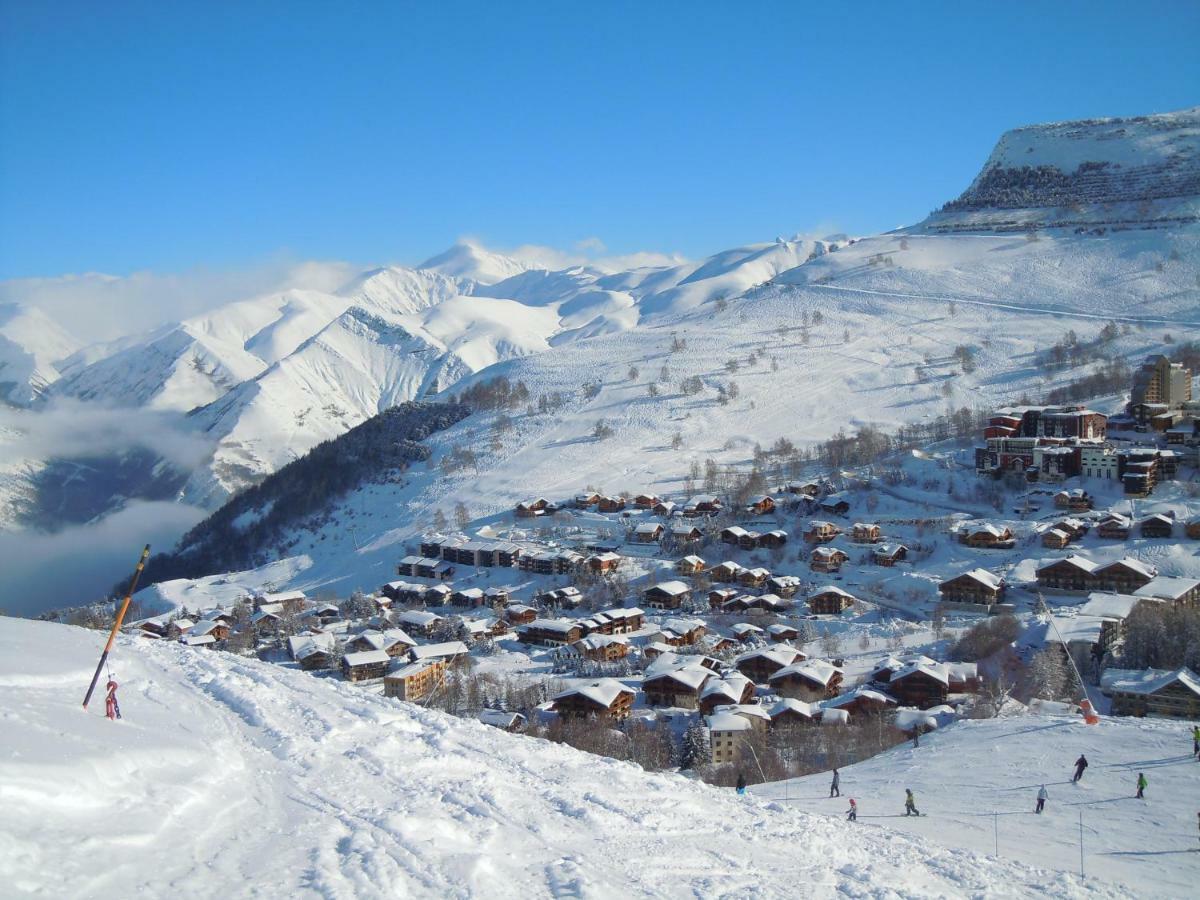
<point x="469" y="259"/>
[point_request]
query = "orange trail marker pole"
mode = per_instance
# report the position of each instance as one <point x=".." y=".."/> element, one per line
<point x="112" y="635"/>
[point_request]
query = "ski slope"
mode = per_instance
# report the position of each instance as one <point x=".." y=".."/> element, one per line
<point x="978" y="780"/>
<point x="232" y="778"/>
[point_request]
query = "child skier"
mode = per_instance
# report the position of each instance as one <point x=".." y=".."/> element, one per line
<point x="741" y="783"/>
<point x="1141" y="786"/>
<point x="111" y="708"/>
<point x="910" y="803"/>
<point x="835" y="789"/>
<point x="852" y="813"/>
<point x="1080" y="765"/>
<point x="1041" y="798"/>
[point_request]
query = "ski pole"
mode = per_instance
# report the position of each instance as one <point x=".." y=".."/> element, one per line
<point x="137" y="573"/>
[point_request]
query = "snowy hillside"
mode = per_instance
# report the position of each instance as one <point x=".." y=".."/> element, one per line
<point x="228" y="775"/>
<point x="976" y="783"/>
<point x="31" y="347"/>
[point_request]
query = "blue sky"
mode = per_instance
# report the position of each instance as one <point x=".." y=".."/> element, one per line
<point x="165" y="136"/>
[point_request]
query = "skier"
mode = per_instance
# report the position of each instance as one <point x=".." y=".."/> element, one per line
<point x="1042" y="797"/>
<point x="910" y="803"/>
<point x="1080" y="765"/>
<point x="1196" y="740"/>
<point x="852" y="813"/>
<point x="1141" y="786"/>
<point x="741" y="783"/>
<point x="835" y="789"/>
<point x="111" y="708"/>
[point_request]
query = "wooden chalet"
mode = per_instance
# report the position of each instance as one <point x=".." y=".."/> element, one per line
<point x="790" y="713"/>
<point x="808" y="489"/>
<point x="648" y="532"/>
<point x="862" y="701"/>
<point x="865" y="533"/>
<point x="312" y="651"/>
<point x="1055" y="538"/>
<point x="419" y="621"/>
<point x="761" y="506"/>
<point x="727" y="571"/>
<point x="469" y="597"/>
<point x="567" y="597"/>
<point x="751" y="540"/>
<point x="785" y="586"/>
<point x="1158" y="525"/>
<point x="987" y="537"/>
<point x="619" y="620"/>
<point x="977" y="586"/>
<point x="760" y="665"/>
<point x="686" y="534"/>
<point x="718" y="597"/>
<point x="437" y="595"/>
<point x="702" y="505"/>
<point x="550" y="632"/>
<point x="606" y="698"/>
<point x="781" y="632"/>
<point x="920" y="684"/>
<point x="682" y="632"/>
<point x="505" y="721"/>
<point x="586" y="499"/>
<point x="365" y="664"/>
<point x="1078" y="574"/>
<point x="745" y="632"/>
<point x="1179" y="591"/>
<point x="889" y="554"/>
<point x="1077" y="499"/>
<point x="530" y="509"/>
<point x="647" y="501"/>
<point x="753" y="578"/>
<point x="602" y="647"/>
<point x="774" y="539"/>
<point x="690" y="565"/>
<point x="732" y="689"/>
<point x="1153" y="692"/>
<point x="416" y="681"/>
<point x="810" y="680"/>
<point x="601" y="563"/>
<point x="830" y="601"/>
<point x="611" y="504"/>
<point x="733" y="534"/>
<point x="667" y="595"/>
<point x="821" y="532"/>
<point x="1114" y="526"/>
<point x="677" y="687"/>
<point x="837" y="503"/>
<point x="519" y="614"/>
<point x="827" y="559"/>
<point x="497" y="596"/>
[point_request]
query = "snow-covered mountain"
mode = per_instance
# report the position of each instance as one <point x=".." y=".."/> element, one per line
<point x="32" y="347"/>
<point x="319" y="787"/>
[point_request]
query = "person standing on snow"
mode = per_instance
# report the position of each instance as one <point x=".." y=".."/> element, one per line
<point x="1041" y="798"/>
<point x="1196" y="740"/>
<point x="111" y="708"/>
<point x="910" y="803"/>
<point x="1080" y="765"/>
<point x="1141" y="786"/>
<point x="852" y="813"/>
<point x="835" y="789"/>
<point x="741" y="783"/>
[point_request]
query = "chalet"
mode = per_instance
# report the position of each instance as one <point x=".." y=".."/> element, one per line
<point x="827" y="559"/>
<point x="704" y="505"/>
<point x="718" y="597"/>
<point x="519" y="614"/>
<point x="550" y="562"/>
<point x="292" y="602"/>
<point x="601" y="563"/>
<point x="677" y="687"/>
<point x="611" y="504"/>
<point x="482" y="553"/>
<point x="606" y="698"/>
<point x="750" y="540"/>
<point x="979" y="587"/>
<point x="761" y="603"/>
<point x="727" y="733"/>
<point x="1192" y="530"/>
<point x="746" y="632"/>
<point x="781" y="632"/>
<point x="206" y="641"/>
<point x="810" y="680"/>
<point x="760" y="665"/>
<point x="1077" y="499"/>
<point x="1158" y="525"/>
<point x="1074" y="528"/>
<point x="717" y="643"/>
<point x="550" y="632"/>
<point x="1114" y="526"/>
<point x="862" y="701"/>
<point x="437" y="595"/>
<point x="568" y="597"/>
<point x="774" y="539"/>
<point x="838" y="504"/>
<point x="619" y="620"/>
<point x="1179" y="591"/>
<point x="1055" y="538"/>
<point x="393" y="642"/>
<point x="865" y="533"/>
<point x="686" y="534"/>
<point x="830" y="601"/>
<point x="667" y="595"/>
<point x="655" y="649"/>
<point x="447" y="651"/>
<point x="761" y="506"/>
<point x="1074" y="573"/>
<point x="733" y="534"/>
<point x="963" y="677"/>
<point x="648" y="532"/>
<point x="496" y="596"/>
<point x="886" y="667"/>
<point x="312" y="651"/>
<point x="602" y="647"/>
<point x="155" y="628"/>
<point x="1125" y="576"/>
<point x="808" y="489"/>
<point x="790" y="712"/>
<point x="647" y="501"/>
<point x="266" y="621"/>
<point x="681" y="632"/>
<point x="1153" y="692"/>
<point x="416" y="681"/>
<point x="218" y="631"/>
<point x="505" y="721"/>
<point x="365" y="664"/>
<point x="784" y="586"/>
<point x="430" y="568"/>
<point x="665" y="508"/>
<point x="327" y="613"/>
<point x="732" y="689"/>
<point x="467" y="597"/>
<point x="177" y="628"/>
<point x="727" y="571"/>
<point x="987" y="537"/>
<point x="753" y="578"/>
<point x="403" y="591"/>
<point x="888" y="554"/>
<point x="586" y="499"/>
<point x="419" y="621"/>
<point x="821" y="532"/>
<point x="529" y="509"/>
<point x="690" y="565"/>
<point x="920" y="684"/>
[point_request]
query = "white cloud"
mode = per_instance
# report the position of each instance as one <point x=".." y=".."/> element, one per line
<point x="589" y="251"/>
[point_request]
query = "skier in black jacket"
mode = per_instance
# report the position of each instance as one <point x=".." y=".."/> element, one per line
<point x="1080" y="765"/>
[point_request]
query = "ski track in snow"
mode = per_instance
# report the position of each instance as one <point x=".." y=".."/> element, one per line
<point x="231" y="777"/>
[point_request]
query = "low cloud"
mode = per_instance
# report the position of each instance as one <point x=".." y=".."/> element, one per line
<point x="590" y="251"/>
<point x="80" y="564"/>
<point x="67" y="428"/>
<point x="99" y="307"/>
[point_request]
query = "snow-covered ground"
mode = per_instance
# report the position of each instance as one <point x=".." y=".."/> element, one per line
<point x="230" y="777"/>
<point x="976" y="783"/>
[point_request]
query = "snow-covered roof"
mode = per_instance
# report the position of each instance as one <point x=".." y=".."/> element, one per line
<point x="603" y="692"/>
<point x="418" y="617"/>
<point x="302" y="645"/>
<point x="808" y="710"/>
<point x="834" y="716"/>
<point x="366" y="658"/>
<point x="197" y="640"/>
<point x="1109" y="606"/>
<point x="860" y="693"/>
<point x="671" y="588"/>
<point x="742" y="628"/>
<point x="983" y="576"/>
<point x="438" y="651"/>
<point x="925" y="667"/>
<point x="1164" y="587"/>
<point x="563" y="626"/>
<point x="784" y="656"/>
<point x="834" y="589"/>
<point x="1148" y="681"/>
<point x="691" y="676"/>
<point x="408" y="671"/>
<point x="692" y="560"/>
<point x="727" y="721"/>
<point x="500" y="718"/>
